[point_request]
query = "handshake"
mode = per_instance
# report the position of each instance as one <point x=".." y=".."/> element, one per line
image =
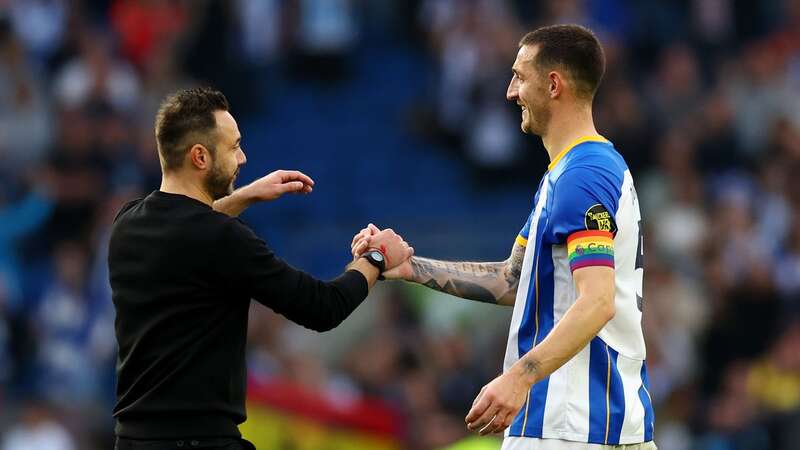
<point x="395" y="250"/>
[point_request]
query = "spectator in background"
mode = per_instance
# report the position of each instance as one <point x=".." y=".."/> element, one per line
<point x="761" y="92"/>
<point x="262" y="29"/>
<point x="68" y="324"/>
<point x="37" y="429"/>
<point x="80" y="176"/>
<point x="25" y="120"/>
<point x="470" y="41"/>
<point x="18" y="219"/>
<point x="145" y="26"/>
<point x="325" y="34"/>
<point x="674" y="93"/>
<point x="787" y="272"/>
<point x="95" y="76"/>
<point x="40" y="25"/>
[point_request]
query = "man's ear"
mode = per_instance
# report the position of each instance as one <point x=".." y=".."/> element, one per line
<point x="555" y="84"/>
<point x="200" y="157"/>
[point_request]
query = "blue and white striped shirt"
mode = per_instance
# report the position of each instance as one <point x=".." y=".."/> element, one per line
<point x="601" y="395"/>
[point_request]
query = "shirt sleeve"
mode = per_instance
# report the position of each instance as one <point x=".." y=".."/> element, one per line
<point x="522" y="237"/>
<point x="585" y="200"/>
<point x="255" y="270"/>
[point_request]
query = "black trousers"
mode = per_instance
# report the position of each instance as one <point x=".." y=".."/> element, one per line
<point x="184" y="444"/>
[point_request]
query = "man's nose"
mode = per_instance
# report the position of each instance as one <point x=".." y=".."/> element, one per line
<point x="513" y="92"/>
<point x="242" y="157"/>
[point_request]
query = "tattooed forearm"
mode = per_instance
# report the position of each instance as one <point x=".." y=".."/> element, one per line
<point x="513" y="268"/>
<point x="462" y="279"/>
<point x="490" y="282"/>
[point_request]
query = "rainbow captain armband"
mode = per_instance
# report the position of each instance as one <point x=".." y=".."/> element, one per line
<point x="590" y="248"/>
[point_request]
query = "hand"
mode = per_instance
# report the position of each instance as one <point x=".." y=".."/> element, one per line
<point x="277" y="183"/>
<point x="497" y="404"/>
<point x="360" y="242"/>
<point x="363" y="241"/>
<point x="392" y="245"/>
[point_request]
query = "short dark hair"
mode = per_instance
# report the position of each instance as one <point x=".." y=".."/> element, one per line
<point x="573" y="47"/>
<point x="184" y="119"/>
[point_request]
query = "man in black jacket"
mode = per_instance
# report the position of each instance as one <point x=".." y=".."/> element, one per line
<point x="183" y="270"/>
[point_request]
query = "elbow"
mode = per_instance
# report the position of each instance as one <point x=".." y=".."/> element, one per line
<point x="608" y="308"/>
<point x="324" y="325"/>
<point x="508" y="299"/>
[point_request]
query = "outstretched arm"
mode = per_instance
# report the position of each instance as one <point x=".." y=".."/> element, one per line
<point x="266" y="188"/>
<point x="490" y="282"/>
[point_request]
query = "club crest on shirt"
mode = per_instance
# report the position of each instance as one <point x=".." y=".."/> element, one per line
<point x="598" y="218"/>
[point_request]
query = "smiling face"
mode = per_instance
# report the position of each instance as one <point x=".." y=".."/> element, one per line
<point x="529" y="89"/>
<point x="227" y="157"/>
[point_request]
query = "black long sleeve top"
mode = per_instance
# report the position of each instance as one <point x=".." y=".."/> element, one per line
<point x="182" y="277"/>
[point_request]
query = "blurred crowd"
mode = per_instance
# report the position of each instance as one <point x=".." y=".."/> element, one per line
<point x="702" y="97"/>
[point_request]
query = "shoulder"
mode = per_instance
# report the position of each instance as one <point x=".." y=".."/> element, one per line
<point x="234" y="228"/>
<point x="595" y="164"/>
<point x="597" y="155"/>
<point x="126" y="208"/>
<point x="237" y="236"/>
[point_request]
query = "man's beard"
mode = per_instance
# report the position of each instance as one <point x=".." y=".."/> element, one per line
<point x="218" y="184"/>
<point x="538" y="120"/>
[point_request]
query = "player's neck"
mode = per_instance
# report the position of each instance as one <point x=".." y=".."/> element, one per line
<point x="566" y="128"/>
<point x="175" y="184"/>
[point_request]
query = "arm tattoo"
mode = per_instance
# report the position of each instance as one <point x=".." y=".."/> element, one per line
<point x="531" y="365"/>
<point x="491" y="282"/>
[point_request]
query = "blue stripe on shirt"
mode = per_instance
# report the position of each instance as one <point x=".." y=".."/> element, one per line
<point x="616" y="400"/>
<point x="598" y="370"/>
<point x="644" y="396"/>
<point x="546" y="322"/>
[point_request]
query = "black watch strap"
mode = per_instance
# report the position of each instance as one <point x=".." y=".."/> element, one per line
<point x="376" y="258"/>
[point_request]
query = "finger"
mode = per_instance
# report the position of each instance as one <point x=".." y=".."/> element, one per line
<point x="478" y="397"/>
<point x="363" y="234"/>
<point x="479" y="408"/>
<point x="299" y="176"/>
<point x="360" y="248"/>
<point x="489" y="427"/>
<point x="496" y="424"/>
<point x="360" y="235"/>
<point x="483" y="420"/>
<point x="503" y="423"/>
<point x="404" y="253"/>
<point x="362" y="245"/>
<point x="292" y="186"/>
<point x="373" y="229"/>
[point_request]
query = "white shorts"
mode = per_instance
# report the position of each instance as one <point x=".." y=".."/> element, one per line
<point x="520" y="443"/>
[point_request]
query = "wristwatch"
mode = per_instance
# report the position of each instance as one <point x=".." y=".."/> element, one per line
<point x="376" y="258"/>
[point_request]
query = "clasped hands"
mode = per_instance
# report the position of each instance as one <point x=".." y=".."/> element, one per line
<point x="395" y="250"/>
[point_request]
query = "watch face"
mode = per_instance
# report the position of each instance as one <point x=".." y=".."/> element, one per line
<point x="377" y="256"/>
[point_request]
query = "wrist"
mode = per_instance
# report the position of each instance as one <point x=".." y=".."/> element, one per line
<point x="370" y="272"/>
<point x="377" y="258"/>
<point x="245" y="195"/>
<point x="526" y="370"/>
<point x="415" y="275"/>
